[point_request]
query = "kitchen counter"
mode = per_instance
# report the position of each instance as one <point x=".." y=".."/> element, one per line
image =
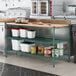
<point x="72" y="5"/>
<point x="65" y="17"/>
<point x="71" y="18"/>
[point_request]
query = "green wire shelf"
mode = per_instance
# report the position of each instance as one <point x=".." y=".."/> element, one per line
<point x="40" y="40"/>
<point x="35" y="55"/>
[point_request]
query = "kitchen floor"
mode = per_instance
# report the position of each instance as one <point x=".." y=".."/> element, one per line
<point x="62" y="68"/>
<point x="13" y="70"/>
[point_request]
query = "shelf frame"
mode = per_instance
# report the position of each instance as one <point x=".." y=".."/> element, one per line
<point x="51" y="41"/>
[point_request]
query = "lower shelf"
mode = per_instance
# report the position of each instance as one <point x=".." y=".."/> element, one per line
<point x="36" y="55"/>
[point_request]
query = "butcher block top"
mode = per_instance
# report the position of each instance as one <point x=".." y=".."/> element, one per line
<point x="44" y="23"/>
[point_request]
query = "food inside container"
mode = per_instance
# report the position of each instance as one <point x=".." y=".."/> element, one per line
<point x="40" y="50"/>
<point x="24" y="21"/>
<point x="33" y="50"/>
<point x="18" y="20"/>
<point x="48" y="51"/>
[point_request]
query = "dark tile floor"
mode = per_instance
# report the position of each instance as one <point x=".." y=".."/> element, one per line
<point x="11" y="70"/>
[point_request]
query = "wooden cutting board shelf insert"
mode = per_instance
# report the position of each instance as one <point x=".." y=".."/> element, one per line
<point x="44" y="23"/>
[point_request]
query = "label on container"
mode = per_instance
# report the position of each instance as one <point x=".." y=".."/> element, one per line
<point x="48" y="51"/>
<point x="40" y="50"/>
<point x="33" y="50"/>
<point x="56" y="53"/>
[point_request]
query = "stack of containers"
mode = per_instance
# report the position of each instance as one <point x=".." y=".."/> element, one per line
<point x="15" y="43"/>
<point x="26" y="33"/>
<point x="60" y="45"/>
<point x="23" y="33"/>
<point x="59" y="51"/>
<point x="63" y="48"/>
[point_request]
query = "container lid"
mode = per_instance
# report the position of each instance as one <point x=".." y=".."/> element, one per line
<point x="15" y="28"/>
<point x="28" y="42"/>
<point x="24" y="28"/>
<point x="31" y="30"/>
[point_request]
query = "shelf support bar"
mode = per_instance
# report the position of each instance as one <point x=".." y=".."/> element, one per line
<point x="6" y="40"/>
<point x="68" y="43"/>
<point x="53" y="46"/>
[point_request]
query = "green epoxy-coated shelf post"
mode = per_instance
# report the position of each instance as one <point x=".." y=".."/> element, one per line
<point x="6" y="40"/>
<point x="53" y="46"/>
<point x="68" y="43"/>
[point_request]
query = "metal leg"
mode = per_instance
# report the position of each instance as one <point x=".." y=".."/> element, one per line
<point x="68" y="43"/>
<point x="6" y="40"/>
<point x="53" y="46"/>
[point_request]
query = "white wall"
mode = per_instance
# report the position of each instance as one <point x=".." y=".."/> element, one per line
<point x="26" y="3"/>
<point x="72" y="2"/>
<point x="57" y="8"/>
<point x="14" y="3"/>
